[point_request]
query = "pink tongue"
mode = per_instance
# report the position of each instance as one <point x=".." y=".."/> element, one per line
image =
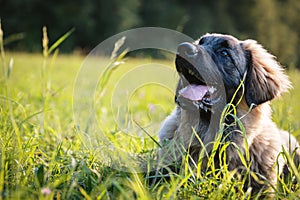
<point x="194" y="92"/>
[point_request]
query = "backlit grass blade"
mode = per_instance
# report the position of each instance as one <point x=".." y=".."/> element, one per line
<point x="60" y="40"/>
<point x="152" y="138"/>
<point x="13" y="38"/>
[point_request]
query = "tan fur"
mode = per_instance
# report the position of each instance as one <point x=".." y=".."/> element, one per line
<point x="267" y="70"/>
<point x="264" y="138"/>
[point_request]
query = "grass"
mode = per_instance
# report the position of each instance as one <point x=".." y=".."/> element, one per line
<point x="44" y="156"/>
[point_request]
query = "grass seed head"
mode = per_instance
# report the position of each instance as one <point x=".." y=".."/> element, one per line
<point x="45" y="41"/>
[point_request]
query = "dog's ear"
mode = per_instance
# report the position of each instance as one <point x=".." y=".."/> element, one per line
<point x="265" y="78"/>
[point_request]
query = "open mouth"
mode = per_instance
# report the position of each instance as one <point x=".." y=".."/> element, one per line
<point x="196" y="90"/>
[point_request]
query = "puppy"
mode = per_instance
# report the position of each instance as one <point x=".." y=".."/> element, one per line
<point x="220" y="73"/>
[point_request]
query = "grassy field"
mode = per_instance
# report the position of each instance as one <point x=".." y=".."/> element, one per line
<point x="44" y="156"/>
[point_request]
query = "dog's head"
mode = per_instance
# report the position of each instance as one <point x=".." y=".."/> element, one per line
<point x="218" y="61"/>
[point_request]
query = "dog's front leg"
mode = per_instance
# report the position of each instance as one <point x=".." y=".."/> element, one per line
<point x="167" y="136"/>
<point x="169" y="126"/>
<point x="176" y="136"/>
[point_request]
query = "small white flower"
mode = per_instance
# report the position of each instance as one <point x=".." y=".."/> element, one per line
<point x="151" y="107"/>
<point x="73" y="163"/>
<point x="45" y="191"/>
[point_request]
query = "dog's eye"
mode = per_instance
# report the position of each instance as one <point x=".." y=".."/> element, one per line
<point x="224" y="53"/>
<point x="201" y="41"/>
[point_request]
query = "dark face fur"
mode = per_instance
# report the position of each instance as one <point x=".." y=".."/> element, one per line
<point x="216" y="61"/>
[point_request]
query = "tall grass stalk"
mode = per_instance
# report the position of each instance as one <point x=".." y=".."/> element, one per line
<point x="45" y="75"/>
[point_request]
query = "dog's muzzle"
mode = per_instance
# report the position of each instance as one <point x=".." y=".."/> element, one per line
<point x="196" y="93"/>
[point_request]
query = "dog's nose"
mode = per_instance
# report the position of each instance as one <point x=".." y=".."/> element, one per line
<point x="186" y="49"/>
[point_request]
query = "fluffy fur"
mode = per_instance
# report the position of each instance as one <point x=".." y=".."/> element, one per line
<point x="263" y="80"/>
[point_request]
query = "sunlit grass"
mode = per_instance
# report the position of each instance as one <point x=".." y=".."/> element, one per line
<point x="287" y="109"/>
<point x="51" y="160"/>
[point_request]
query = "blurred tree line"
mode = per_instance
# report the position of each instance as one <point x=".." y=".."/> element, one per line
<point x="274" y="23"/>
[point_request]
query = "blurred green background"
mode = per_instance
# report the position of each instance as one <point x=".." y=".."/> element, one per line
<point x="274" y="23"/>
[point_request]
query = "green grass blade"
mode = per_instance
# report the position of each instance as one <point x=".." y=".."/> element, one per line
<point x="60" y="40"/>
<point x="152" y="138"/>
